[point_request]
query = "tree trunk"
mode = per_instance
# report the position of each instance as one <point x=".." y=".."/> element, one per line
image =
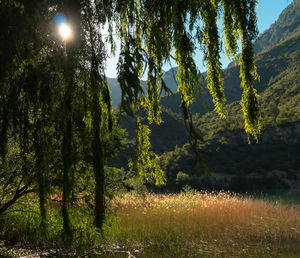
<point x="97" y="146"/>
<point x="67" y="147"/>
<point x="72" y="9"/>
<point x="98" y="161"/>
<point x="41" y="166"/>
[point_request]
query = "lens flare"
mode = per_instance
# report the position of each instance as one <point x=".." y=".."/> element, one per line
<point x="60" y="19"/>
<point x="65" y="31"/>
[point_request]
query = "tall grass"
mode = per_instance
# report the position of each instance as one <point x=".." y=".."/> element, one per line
<point x="189" y="224"/>
<point x="206" y="224"/>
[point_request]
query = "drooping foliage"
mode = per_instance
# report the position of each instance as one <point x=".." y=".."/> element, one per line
<point x="145" y="162"/>
<point x="153" y="32"/>
<point x="57" y="102"/>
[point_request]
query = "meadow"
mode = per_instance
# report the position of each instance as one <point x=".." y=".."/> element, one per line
<point x="189" y="224"/>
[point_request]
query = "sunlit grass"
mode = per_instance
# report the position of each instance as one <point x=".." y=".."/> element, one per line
<point x="206" y="224"/>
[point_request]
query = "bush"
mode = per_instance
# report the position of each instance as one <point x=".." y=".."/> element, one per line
<point x="182" y="179"/>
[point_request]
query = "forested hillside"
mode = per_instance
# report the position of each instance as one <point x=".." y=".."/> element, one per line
<point x="286" y="25"/>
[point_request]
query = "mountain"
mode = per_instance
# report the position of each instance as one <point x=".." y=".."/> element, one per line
<point x="163" y="137"/>
<point x="286" y="25"/>
<point x="115" y="90"/>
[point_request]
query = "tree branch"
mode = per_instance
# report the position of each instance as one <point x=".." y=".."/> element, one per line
<point x="17" y="196"/>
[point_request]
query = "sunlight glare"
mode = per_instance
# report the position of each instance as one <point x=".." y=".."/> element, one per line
<point x="65" y="31"/>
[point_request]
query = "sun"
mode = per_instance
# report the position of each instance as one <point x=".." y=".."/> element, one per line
<point x="65" y="31"/>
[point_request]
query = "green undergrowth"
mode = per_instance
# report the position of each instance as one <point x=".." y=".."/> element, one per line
<point x="21" y="227"/>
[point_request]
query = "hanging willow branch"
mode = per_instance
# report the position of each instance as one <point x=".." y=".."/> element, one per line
<point x="163" y="26"/>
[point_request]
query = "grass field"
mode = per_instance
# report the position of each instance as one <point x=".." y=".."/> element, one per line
<point x="189" y="224"/>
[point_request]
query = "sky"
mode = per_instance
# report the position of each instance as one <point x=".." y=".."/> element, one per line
<point x="268" y="12"/>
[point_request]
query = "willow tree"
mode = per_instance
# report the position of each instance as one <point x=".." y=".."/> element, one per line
<point x="27" y="87"/>
<point x="71" y="9"/>
<point x="98" y="115"/>
<point x="153" y="32"/>
<point x="150" y="33"/>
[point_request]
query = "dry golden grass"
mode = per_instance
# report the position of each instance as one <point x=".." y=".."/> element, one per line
<point x="207" y="223"/>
